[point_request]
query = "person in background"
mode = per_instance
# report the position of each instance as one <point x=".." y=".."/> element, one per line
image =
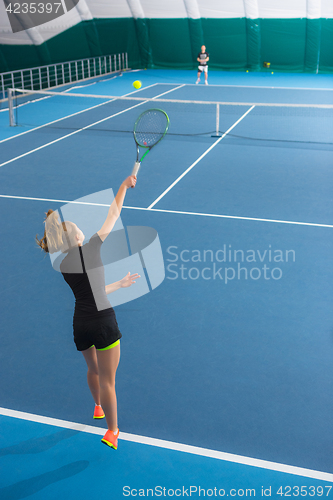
<point x="203" y="58"/>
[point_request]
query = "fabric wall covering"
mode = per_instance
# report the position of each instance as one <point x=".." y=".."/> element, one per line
<point x="293" y="35"/>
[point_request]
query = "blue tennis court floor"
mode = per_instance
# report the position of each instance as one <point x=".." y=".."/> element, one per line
<point x="47" y="461"/>
<point x="225" y="379"/>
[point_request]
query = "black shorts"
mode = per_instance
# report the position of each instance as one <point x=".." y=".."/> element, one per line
<point x="100" y="331"/>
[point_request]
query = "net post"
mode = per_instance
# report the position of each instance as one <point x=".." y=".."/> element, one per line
<point x="3" y="86"/>
<point x="11" y="108"/>
<point x="217" y="118"/>
<point x="217" y="130"/>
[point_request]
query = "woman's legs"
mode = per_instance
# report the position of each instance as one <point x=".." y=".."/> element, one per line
<point x="107" y="366"/>
<point x="92" y="374"/>
<point x="101" y="376"/>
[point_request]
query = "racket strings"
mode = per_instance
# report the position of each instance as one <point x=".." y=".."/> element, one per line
<point x="150" y="128"/>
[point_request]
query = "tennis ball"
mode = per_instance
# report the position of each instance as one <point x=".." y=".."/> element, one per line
<point x="247" y="71"/>
<point x="137" y="84"/>
<point x="272" y="72"/>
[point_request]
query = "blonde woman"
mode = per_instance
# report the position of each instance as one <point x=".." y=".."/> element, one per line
<point x="96" y="332"/>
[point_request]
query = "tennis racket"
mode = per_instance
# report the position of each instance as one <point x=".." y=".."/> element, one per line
<point x="149" y="130"/>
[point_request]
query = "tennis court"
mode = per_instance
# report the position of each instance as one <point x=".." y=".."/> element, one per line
<point x="225" y="379"/>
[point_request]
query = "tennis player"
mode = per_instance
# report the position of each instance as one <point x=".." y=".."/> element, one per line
<point x="96" y="331"/>
<point x="203" y="58"/>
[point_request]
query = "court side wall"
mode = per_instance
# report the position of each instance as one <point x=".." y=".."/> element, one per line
<point x="235" y="44"/>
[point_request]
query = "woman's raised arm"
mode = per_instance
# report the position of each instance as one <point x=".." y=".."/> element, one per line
<point x="115" y="207"/>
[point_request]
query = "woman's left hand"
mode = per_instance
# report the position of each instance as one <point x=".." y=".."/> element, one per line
<point x="128" y="280"/>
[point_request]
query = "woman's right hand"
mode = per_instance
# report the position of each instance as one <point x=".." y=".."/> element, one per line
<point x="130" y="181"/>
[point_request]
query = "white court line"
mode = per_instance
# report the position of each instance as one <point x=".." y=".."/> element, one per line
<point x="199" y="159"/>
<point x="55" y="201"/>
<point x="170" y="211"/>
<point x="229" y="216"/>
<point x="169" y="445"/>
<point x="168" y="91"/>
<point x="74" y="114"/>
<point x="65" y="136"/>
<point x="248" y="86"/>
<point x="76" y="131"/>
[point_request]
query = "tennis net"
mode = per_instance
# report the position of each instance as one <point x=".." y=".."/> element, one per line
<point x="247" y="121"/>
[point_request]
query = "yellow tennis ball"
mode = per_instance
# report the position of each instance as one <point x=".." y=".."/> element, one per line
<point x="137" y="84"/>
<point x="272" y="72"/>
<point x="247" y="71"/>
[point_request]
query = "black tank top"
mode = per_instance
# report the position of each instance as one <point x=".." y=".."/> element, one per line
<point x="83" y="270"/>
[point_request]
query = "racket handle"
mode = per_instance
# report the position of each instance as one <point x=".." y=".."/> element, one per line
<point x="136" y="168"/>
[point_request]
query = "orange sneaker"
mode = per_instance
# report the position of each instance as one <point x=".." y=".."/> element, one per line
<point x="111" y="439"/>
<point x="98" y="413"/>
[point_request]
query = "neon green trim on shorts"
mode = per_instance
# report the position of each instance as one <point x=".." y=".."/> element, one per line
<point x="110" y="346"/>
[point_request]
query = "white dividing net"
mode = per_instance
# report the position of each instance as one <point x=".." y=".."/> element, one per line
<point x="247" y="121"/>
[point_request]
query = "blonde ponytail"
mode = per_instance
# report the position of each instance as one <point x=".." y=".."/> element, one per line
<point x="54" y="239"/>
